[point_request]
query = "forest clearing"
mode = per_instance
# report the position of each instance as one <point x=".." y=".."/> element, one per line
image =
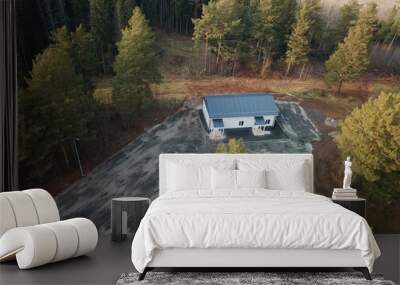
<point x="115" y="76"/>
<point x="175" y="94"/>
<point x="180" y="88"/>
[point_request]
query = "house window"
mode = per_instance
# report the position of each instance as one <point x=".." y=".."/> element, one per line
<point x="241" y="123"/>
<point x="267" y="122"/>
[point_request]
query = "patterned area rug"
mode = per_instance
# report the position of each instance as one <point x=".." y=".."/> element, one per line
<point x="244" y="278"/>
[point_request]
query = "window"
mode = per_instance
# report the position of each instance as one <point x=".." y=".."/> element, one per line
<point x="267" y="122"/>
<point x="241" y="123"/>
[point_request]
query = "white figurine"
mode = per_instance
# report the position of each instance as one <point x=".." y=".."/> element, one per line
<point x="347" y="174"/>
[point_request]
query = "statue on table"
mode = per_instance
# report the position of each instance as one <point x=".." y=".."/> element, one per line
<point x="347" y="174"/>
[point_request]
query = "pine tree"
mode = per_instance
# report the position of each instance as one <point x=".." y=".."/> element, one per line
<point x="348" y="16"/>
<point x="302" y="34"/>
<point x="313" y="11"/>
<point x="123" y="10"/>
<point x="54" y="107"/>
<point x="78" y="12"/>
<point x="390" y="28"/>
<point x="350" y="61"/>
<point x="101" y="28"/>
<point x="182" y="15"/>
<point x="368" y="19"/>
<point x="136" y="67"/>
<point x="84" y="55"/>
<point x="272" y="21"/>
<point x="221" y="28"/>
<point x="371" y="136"/>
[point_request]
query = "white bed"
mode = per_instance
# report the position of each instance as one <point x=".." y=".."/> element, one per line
<point x="248" y="227"/>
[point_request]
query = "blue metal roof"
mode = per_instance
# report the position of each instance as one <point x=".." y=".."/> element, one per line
<point x="218" y="123"/>
<point x="240" y="105"/>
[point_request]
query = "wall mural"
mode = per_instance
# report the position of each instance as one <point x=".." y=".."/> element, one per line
<point x="108" y="85"/>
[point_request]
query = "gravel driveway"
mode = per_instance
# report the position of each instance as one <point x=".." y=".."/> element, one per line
<point x="133" y="171"/>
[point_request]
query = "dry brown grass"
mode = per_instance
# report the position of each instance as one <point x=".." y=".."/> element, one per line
<point x="313" y="92"/>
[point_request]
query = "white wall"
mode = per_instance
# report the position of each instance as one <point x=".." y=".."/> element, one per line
<point x="271" y="119"/>
<point x="248" y="122"/>
<point x="206" y="116"/>
<point x="231" y="123"/>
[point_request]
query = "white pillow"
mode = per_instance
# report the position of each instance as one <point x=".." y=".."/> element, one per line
<point x="182" y="177"/>
<point x="287" y="175"/>
<point x="189" y="174"/>
<point x="291" y="179"/>
<point x="223" y="179"/>
<point x="251" y="178"/>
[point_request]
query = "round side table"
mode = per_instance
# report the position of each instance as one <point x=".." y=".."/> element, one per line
<point x="124" y="208"/>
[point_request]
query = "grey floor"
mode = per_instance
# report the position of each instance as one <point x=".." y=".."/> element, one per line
<point x="389" y="263"/>
<point x="104" y="266"/>
<point x="110" y="260"/>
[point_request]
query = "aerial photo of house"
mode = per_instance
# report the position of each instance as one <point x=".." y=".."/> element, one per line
<point x="257" y="112"/>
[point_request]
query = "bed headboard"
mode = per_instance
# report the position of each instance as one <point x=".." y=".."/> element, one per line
<point x="209" y="157"/>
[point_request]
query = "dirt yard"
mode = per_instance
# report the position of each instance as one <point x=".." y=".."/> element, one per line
<point x="133" y="171"/>
<point x="311" y="117"/>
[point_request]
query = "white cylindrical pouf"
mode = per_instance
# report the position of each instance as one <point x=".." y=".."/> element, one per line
<point x="33" y="246"/>
<point x="23" y="208"/>
<point x="7" y="219"/>
<point x="45" y="205"/>
<point x="87" y="235"/>
<point x="67" y="240"/>
<point x="40" y="247"/>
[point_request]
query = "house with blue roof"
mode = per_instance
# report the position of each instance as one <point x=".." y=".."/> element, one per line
<point x="256" y="111"/>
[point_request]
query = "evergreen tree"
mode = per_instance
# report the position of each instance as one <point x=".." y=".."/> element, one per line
<point x="272" y="21"/>
<point x="371" y="136"/>
<point x="78" y="12"/>
<point x="298" y="46"/>
<point x="286" y="9"/>
<point x="182" y="15"/>
<point x="84" y="55"/>
<point x="368" y="19"/>
<point x="172" y="15"/>
<point x="347" y="18"/>
<point x="299" y="41"/>
<point x="302" y="34"/>
<point x="54" y="107"/>
<point x="350" y="61"/>
<point x="221" y="28"/>
<point x="101" y="28"/>
<point x="123" y="10"/>
<point x="313" y="9"/>
<point x="136" y="67"/>
<point x="390" y="28"/>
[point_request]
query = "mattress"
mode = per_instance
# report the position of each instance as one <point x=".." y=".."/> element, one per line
<point x="255" y="257"/>
<point x="250" y="219"/>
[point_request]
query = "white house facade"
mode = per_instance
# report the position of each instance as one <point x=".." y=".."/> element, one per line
<point x="257" y="111"/>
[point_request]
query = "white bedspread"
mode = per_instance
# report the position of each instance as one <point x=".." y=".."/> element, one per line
<point x="250" y="219"/>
